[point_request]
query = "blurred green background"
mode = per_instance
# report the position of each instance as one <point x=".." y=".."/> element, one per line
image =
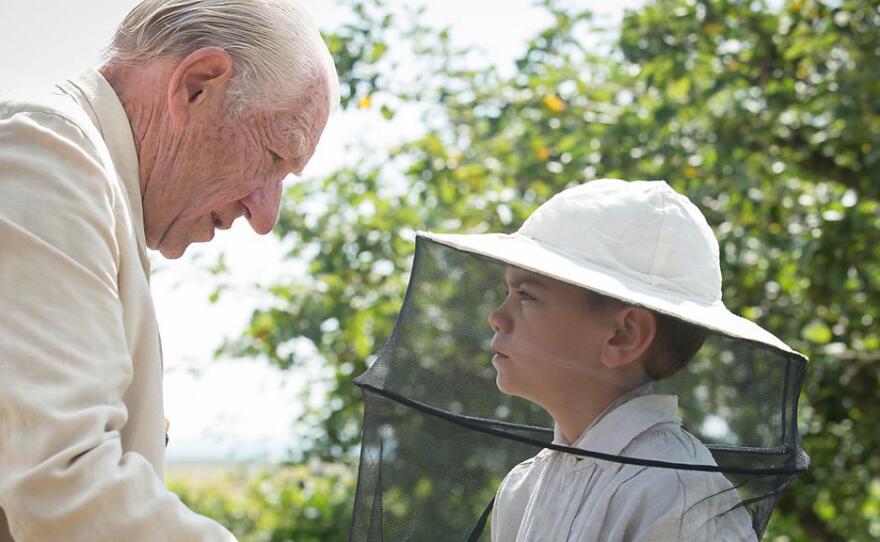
<point x="767" y="114"/>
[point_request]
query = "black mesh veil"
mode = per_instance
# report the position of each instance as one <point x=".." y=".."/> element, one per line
<point x="439" y="437"/>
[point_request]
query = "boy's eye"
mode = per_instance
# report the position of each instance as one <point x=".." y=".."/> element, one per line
<point x="520" y="294"/>
<point x="524" y="295"/>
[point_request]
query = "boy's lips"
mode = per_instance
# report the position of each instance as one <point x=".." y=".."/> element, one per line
<point x="497" y="351"/>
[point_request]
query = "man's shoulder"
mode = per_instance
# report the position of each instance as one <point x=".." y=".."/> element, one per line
<point x="47" y="139"/>
<point x="43" y="105"/>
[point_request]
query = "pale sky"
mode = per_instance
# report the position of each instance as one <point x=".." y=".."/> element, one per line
<point x="231" y="409"/>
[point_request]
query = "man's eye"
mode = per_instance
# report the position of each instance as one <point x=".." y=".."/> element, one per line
<point x="275" y="157"/>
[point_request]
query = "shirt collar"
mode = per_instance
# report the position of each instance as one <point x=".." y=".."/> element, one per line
<point x="98" y="99"/>
<point x="630" y="415"/>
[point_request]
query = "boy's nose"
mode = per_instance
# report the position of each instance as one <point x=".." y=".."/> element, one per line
<point x="498" y="321"/>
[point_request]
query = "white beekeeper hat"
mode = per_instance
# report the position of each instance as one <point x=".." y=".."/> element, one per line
<point x="640" y="242"/>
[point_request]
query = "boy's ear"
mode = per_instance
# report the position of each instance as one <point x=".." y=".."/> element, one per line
<point x="634" y="331"/>
<point x="201" y="78"/>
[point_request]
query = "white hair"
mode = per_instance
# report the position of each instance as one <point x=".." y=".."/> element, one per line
<point x="277" y="52"/>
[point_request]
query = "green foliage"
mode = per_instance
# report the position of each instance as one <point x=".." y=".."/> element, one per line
<point x="765" y="115"/>
<point x="356" y="50"/>
<point x="286" y="504"/>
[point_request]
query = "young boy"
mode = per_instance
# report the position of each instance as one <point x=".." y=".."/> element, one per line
<point x="588" y="360"/>
<point x="611" y="285"/>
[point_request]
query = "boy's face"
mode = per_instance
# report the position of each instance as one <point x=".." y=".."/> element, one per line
<point x="547" y="340"/>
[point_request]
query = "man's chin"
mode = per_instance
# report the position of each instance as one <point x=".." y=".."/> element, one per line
<point x="173" y="246"/>
<point x="172" y="252"/>
<point x="166" y="245"/>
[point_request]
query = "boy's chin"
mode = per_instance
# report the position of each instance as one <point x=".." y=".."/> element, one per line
<point x="505" y="386"/>
<point x="511" y="387"/>
<point x="500" y="378"/>
<point x="499" y="383"/>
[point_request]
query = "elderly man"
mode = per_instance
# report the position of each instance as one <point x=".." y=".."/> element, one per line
<point x="200" y="111"/>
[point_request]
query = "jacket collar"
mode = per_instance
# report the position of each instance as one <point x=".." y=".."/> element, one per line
<point x="100" y="102"/>
<point x="630" y="415"/>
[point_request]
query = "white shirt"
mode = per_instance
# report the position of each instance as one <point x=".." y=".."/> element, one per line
<point x="559" y="497"/>
<point x="82" y="430"/>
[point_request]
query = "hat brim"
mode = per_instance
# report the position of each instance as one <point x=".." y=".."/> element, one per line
<point x="528" y="254"/>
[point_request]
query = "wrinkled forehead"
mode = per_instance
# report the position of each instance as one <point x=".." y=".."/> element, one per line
<point x="312" y="105"/>
<point x="308" y="115"/>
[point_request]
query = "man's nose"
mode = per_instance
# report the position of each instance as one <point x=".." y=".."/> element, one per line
<point x="262" y="207"/>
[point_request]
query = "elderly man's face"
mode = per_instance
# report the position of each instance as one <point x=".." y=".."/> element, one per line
<point x="216" y="169"/>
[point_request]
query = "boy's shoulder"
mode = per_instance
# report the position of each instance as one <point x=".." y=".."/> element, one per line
<point x="670" y="442"/>
<point x="519" y="473"/>
<point x="703" y="494"/>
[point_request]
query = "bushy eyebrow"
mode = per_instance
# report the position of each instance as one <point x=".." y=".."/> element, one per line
<point x="293" y="141"/>
<point x="293" y="144"/>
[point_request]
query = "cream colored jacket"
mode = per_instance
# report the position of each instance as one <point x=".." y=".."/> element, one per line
<point x="81" y="423"/>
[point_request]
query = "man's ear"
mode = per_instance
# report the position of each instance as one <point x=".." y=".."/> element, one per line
<point x="634" y="331"/>
<point x="200" y="79"/>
